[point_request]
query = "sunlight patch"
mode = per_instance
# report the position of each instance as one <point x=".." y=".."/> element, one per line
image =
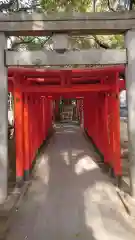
<point x="43" y="170"/>
<point x="95" y="193"/>
<point x="69" y="131"/>
<point x="85" y="164"/>
<point x="76" y="152"/>
<point x="65" y="157"/>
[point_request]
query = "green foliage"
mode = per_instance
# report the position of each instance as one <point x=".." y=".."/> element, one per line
<point x="30" y="43"/>
<point x="80" y="42"/>
<point x="84" y="6"/>
<point x="66" y="5"/>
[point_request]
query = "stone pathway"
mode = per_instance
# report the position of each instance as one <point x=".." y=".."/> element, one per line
<point x="70" y="198"/>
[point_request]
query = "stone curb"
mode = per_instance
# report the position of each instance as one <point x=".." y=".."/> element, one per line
<point x="12" y="203"/>
<point x="128" y="203"/>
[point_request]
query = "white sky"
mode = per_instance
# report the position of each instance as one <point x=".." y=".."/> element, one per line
<point x="123" y="98"/>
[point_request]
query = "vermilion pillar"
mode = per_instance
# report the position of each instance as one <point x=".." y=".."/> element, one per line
<point x="81" y="110"/>
<point x="92" y="119"/>
<point x="56" y="109"/>
<point x="31" y="127"/>
<point x="42" y="118"/>
<point x="114" y="126"/>
<point x="36" y="123"/>
<point x="105" y="133"/>
<point x="116" y="134"/>
<point x="19" y="136"/>
<point x="97" y="120"/>
<point x="26" y="138"/>
<point x="86" y="111"/>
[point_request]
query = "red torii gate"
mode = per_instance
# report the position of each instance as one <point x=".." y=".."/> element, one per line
<point x="34" y="91"/>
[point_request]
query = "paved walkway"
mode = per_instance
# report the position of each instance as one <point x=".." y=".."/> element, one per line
<point x="70" y="198"/>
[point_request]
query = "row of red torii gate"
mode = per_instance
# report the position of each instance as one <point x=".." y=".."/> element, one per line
<point x="97" y="94"/>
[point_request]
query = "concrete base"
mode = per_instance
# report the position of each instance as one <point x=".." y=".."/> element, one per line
<point x="19" y="182"/>
<point x="26" y="175"/>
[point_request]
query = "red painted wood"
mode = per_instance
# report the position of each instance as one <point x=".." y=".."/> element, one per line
<point x="44" y="72"/>
<point x="26" y="135"/>
<point x="74" y="89"/>
<point x="18" y="111"/>
<point x="99" y="106"/>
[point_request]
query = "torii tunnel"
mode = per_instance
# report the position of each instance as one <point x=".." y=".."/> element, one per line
<point x="96" y="91"/>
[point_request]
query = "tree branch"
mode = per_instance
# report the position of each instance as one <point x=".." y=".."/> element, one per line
<point x="109" y="6"/>
<point x="131" y="4"/>
<point x="6" y="6"/>
<point x="101" y="44"/>
<point x="20" y="40"/>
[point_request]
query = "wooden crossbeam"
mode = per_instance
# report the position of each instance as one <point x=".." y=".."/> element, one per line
<point x="51" y="58"/>
<point x="76" y="89"/>
<point x="50" y="72"/>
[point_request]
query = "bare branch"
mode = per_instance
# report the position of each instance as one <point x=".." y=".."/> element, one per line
<point x="46" y="40"/>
